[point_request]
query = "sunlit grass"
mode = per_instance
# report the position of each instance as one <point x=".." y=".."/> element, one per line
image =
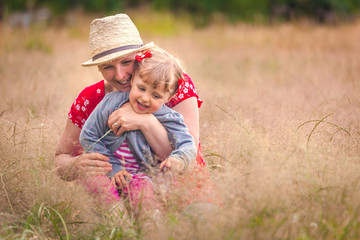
<point x="279" y="129"/>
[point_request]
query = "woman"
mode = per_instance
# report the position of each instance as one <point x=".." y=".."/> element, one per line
<point x="114" y="42"/>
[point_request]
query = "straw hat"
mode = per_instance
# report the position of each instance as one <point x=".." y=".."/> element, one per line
<point x="113" y="37"/>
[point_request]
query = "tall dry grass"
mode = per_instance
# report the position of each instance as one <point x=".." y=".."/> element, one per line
<point x="279" y="129"/>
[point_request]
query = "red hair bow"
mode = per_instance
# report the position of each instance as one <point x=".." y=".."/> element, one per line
<point x="141" y="57"/>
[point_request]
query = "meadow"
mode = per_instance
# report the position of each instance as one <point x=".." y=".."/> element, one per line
<point x="279" y="128"/>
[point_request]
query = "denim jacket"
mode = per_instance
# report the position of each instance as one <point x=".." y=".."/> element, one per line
<point x="92" y="136"/>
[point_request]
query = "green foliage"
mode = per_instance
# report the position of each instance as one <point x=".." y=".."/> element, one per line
<point x="203" y="10"/>
<point x="245" y="10"/>
<point x="108" y="231"/>
<point x="42" y="222"/>
<point x="103" y="5"/>
<point x="318" y="10"/>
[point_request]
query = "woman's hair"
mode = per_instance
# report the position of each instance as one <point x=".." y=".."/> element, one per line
<point x="161" y="67"/>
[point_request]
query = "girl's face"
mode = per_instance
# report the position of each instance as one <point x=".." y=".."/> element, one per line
<point x="144" y="98"/>
<point x="118" y="72"/>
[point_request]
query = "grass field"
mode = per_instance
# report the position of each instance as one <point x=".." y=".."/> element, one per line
<point x="279" y="124"/>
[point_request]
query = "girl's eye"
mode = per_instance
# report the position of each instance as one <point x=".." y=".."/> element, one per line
<point x="141" y="88"/>
<point x="107" y="67"/>
<point x="157" y="96"/>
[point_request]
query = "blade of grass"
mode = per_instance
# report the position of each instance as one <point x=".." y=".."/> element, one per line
<point x="233" y="117"/>
<point x="316" y="125"/>
<point x="6" y="194"/>
<point x="63" y="223"/>
<point x="330" y="123"/>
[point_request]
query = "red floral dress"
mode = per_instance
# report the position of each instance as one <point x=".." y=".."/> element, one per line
<point x="92" y="95"/>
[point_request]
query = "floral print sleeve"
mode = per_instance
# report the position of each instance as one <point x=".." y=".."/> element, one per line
<point x="85" y="103"/>
<point x="186" y="90"/>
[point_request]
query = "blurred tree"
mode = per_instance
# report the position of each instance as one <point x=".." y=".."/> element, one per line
<point x="202" y="10"/>
<point x="245" y="9"/>
<point x="1" y="10"/>
<point x="320" y="10"/>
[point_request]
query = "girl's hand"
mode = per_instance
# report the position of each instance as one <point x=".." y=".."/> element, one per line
<point x="121" y="179"/>
<point x="91" y="164"/>
<point x="173" y="164"/>
<point x="125" y="119"/>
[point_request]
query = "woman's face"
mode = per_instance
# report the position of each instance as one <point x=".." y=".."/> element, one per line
<point x="118" y="72"/>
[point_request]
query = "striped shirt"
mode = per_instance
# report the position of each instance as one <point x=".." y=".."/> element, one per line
<point x="127" y="159"/>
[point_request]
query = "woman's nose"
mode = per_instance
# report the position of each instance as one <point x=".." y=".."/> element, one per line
<point x="119" y="73"/>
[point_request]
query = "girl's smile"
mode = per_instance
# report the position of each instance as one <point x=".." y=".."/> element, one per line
<point x="141" y="106"/>
<point x="145" y="98"/>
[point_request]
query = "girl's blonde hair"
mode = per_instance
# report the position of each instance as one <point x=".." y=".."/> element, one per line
<point x="161" y="67"/>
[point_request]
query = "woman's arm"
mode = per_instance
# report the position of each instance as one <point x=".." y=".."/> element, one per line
<point x="71" y="164"/>
<point x="153" y="130"/>
<point x="189" y="109"/>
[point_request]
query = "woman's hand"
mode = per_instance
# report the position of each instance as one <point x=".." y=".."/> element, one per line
<point x="90" y="165"/>
<point x="121" y="179"/>
<point x="70" y="161"/>
<point x="125" y="119"/>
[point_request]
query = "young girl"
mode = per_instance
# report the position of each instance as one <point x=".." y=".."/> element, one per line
<point x="155" y="81"/>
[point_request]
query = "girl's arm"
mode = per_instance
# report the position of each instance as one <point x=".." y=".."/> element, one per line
<point x="71" y="164"/>
<point x="152" y="129"/>
<point x="183" y="142"/>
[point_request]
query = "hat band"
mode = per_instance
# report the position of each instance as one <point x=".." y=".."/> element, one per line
<point x="114" y="50"/>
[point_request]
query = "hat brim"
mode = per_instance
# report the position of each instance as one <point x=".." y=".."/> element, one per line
<point x="116" y="55"/>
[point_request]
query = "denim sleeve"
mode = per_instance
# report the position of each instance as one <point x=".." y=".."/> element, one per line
<point x="179" y="136"/>
<point x="93" y="134"/>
